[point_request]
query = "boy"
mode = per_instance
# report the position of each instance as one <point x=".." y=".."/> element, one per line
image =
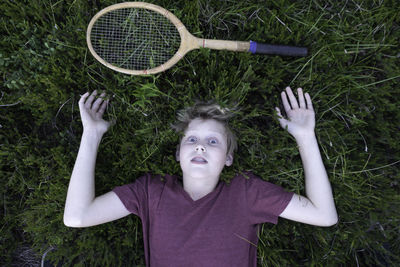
<point x="200" y="221"/>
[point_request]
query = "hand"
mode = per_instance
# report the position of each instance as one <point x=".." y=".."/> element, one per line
<point x="301" y="119"/>
<point x="92" y="112"/>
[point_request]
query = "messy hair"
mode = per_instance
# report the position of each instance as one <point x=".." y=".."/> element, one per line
<point x="207" y="110"/>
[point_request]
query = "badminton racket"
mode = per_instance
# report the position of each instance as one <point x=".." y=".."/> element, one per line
<point x="140" y="38"/>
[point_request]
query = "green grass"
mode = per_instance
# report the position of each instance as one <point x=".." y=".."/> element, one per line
<point x="352" y="74"/>
<point x="134" y="39"/>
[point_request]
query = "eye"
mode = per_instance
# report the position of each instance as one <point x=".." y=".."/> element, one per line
<point x="191" y="139"/>
<point x="213" y="141"/>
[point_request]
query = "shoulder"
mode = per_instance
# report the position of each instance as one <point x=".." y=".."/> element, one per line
<point x="245" y="181"/>
<point x="147" y="182"/>
<point x="246" y="175"/>
<point x="242" y="176"/>
<point x="151" y="178"/>
<point x="146" y="188"/>
<point x="252" y="183"/>
<point x="249" y="178"/>
<point x="264" y="200"/>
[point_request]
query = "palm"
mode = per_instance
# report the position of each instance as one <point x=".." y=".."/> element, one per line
<point x="91" y="120"/>
<point x="300" y="117"/>
<point x="300" y="120"/>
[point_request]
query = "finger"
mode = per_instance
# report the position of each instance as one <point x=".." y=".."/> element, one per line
<point x="89" y="101"/>
<point x="292" y="98"/>
<point x="103" y="107"/>
<point x="285" y="102"/>
<point x="309" y="103"/>
<point x="98" y="102"/>
<point x="301" y="98"/>
<point x="83" y="99"/>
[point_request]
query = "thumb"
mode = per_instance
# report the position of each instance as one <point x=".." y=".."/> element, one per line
<point x="282" y="121"/>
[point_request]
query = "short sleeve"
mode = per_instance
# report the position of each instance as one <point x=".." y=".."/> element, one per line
<point x="134" y="196"/>
<point x="265" y="200"/>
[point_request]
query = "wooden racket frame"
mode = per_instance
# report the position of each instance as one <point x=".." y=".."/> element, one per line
<point x="188" y="41"/>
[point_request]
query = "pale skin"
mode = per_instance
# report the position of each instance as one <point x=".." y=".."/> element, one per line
<point x="204" y="140"/>
<point x="318" y="206"/>
<point x="202" y="149"/>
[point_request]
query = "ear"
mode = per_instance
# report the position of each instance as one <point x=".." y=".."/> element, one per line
<point x="229" y="160"/>
<point x="177" y="152"/>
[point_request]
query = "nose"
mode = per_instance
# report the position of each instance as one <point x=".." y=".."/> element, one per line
<point x="200" y="148"/>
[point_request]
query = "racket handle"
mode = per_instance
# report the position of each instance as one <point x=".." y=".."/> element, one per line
<point x="283" y="50"/>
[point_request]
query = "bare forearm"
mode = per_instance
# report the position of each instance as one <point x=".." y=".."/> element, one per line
<point x="318" y="187"/>
<point x="81" y="190"/>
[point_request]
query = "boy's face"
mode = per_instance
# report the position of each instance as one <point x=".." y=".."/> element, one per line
<point x="203" y="149"/>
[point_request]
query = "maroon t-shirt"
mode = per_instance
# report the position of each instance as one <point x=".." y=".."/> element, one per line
<point x="219" y="229"/>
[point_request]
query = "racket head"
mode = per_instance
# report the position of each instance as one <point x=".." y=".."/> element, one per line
<point x="138" y="38"/>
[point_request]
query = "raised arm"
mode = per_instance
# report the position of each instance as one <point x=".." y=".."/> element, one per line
<point x="82" y="208"/>
<point x="318" y="207"/>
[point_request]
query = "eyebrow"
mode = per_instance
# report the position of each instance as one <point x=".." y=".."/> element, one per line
<point x="213" y="133"/>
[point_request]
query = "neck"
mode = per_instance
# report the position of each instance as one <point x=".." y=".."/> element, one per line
<point x="198" y="187"/>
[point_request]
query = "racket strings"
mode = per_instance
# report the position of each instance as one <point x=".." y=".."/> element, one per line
<point x="134" y="38"/>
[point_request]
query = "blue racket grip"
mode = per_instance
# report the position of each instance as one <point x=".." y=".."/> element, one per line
<point x="283" y="50"/>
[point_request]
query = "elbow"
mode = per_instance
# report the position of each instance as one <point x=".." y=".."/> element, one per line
<point x="331" y="220"/>
<point x="71" y="221"/>
<point x="331" y="223"/>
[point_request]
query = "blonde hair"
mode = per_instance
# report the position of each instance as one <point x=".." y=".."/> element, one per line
<point x="207" y="110"/>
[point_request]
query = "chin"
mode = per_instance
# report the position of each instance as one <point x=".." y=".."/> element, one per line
<point x="198" y="173"/>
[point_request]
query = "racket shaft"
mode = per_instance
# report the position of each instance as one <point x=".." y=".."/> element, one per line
<point x="225" y="45"/>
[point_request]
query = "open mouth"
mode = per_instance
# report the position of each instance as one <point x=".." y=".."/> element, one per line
<point x="199" y="160"/>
